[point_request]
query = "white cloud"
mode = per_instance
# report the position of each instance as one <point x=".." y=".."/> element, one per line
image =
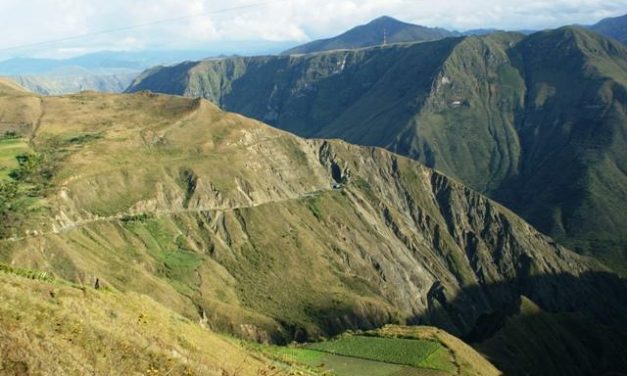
<point x="209" y="21"/>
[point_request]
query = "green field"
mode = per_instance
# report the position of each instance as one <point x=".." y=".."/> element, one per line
<point x="9" y="149"/>
<point x="409" y="352"/>
<point x="374" y="356"/>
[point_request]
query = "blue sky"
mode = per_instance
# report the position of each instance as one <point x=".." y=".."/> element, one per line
<point x="213" y="23"/>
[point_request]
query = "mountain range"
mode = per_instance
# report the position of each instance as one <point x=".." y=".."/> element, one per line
<point x="387" y="30"/>
<point x="109" y="71"/>
<point x="536" y="122"/>
<point x="398" y="200"/>
<point x="204" y="212"/>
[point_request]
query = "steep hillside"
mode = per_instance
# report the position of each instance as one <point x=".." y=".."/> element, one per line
<point x="504" y="113"/>
<point x="377" y="32"/>
<point x="50" y="327"/>
<point x="615" y="27"/>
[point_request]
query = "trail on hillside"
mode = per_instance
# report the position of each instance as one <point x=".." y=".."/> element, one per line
<point x="128" y="214"/>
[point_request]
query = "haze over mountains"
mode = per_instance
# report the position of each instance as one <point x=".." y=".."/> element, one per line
<point x="108" y="71"/>
<point x="113" y="71"/>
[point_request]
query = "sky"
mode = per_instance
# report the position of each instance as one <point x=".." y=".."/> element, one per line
<point x="198" y="24"/>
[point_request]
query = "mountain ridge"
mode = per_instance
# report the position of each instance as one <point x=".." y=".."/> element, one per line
<point x="452" y="101"/>
<point x="615" y="27"/>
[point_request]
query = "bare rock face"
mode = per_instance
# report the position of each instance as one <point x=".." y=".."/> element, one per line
<point x="276" y="238"/>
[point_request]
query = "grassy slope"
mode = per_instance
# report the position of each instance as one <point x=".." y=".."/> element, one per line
<point x="53" y="328"/>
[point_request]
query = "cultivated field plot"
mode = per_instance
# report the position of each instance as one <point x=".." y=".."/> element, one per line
<point x="375" y="356"/>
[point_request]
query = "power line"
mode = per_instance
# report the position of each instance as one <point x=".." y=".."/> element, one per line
<point x="137" y="26"/>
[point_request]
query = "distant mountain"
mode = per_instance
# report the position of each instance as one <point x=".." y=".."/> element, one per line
<point x="615" y="27"/>
<point x="99" y="62"/>
<point x="119" y="61"/>
<point x="480" y="32"/>
<point x="536" y="122"/>
<point x="379" y="31"/>
<point x="55" y="84"/>
<point x="109" y="71"/>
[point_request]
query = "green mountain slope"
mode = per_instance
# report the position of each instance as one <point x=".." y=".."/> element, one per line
<point x="535" y="122"/>
<point x="383" y="30"/>
<point x="615" y="27"/>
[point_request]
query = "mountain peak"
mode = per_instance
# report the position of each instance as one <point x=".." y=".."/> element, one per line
<point x="380" y="31"/>
<point x="386" y="20"/>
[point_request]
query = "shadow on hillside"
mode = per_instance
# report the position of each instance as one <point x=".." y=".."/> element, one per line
<point x="579" y="326"/>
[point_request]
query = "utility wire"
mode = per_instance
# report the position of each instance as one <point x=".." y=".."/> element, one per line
<point x="137" y="26"/>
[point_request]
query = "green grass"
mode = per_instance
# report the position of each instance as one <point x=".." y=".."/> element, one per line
<point x="347" y="366"/>
<point x="299" y="355"/>
<point x="169" y="250"/>
<point x="409" y="352"/>
<point x="339" y="365"/>
<point x="369" y="355"/>
<point x="9" y="149"/>
<point x="27" y="273"/>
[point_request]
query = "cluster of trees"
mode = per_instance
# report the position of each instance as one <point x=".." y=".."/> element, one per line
<point x="30" y="179"/>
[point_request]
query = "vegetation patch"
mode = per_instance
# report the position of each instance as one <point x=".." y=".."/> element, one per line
<point x="356" y="355"/>
<point x="27" y="273"/>
<point x="390" y="350"/>
<point x="9" y="149"/>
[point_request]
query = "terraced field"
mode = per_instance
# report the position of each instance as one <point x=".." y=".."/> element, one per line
<point x="354" y="355"/>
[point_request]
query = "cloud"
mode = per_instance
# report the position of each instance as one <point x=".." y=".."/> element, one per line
<point x="202" y="22"/>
